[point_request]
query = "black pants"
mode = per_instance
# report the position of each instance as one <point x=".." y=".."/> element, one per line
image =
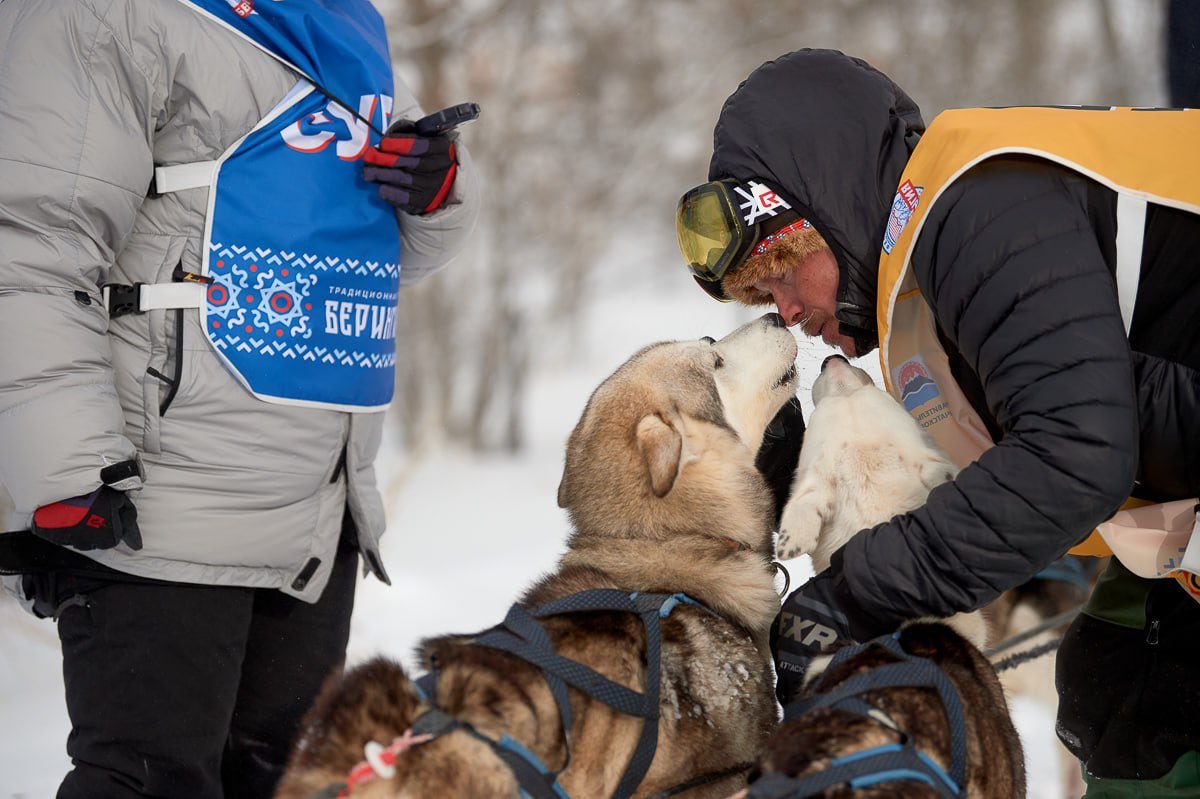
<point x="192" y="692"/>
<point x="1128" y="676"/>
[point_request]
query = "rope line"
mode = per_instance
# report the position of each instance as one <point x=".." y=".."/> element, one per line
<point x="1050" y="623"/>
<point x="1012" y="661"/>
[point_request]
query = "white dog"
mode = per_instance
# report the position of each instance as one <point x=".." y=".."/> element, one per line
<point x="863" y="462"/>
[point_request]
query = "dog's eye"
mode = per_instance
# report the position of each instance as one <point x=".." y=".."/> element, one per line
<point x="718" y="362"/>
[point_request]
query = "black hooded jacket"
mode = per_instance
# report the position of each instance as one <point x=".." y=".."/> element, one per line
<point x="835" y="133"/>
<point x="1016" y="259"/>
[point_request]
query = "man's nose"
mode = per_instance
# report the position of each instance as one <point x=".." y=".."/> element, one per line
<point x="791" y="311"/>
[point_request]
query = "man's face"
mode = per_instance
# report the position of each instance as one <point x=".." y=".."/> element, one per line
<point x="807" y="296"/>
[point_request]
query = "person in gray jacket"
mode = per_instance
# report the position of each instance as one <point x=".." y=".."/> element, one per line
<point x="202" y="235"/>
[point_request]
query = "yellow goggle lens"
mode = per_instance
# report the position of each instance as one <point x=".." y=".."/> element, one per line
<point x="708" y="234"/>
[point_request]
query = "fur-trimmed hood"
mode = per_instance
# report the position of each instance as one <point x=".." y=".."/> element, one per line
<point x="835" y="133"/>
<point x="774" y="261"/>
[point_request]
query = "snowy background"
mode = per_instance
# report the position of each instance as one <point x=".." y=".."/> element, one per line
<point x="467" y="534"/>
<point x="597" y="116"/>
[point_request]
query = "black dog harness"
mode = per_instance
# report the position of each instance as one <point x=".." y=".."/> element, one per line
<point x="521" y="634"/>
<point x="894" y="762"/>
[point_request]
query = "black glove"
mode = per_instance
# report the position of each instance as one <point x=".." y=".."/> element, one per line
<point x="99" y="520"/>
<point x="818" y="618"/>
<point x="779" y="452"/>
<point x="414" y="172"/>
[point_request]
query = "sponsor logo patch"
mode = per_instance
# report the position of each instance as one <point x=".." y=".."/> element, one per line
<point x="806" y="632"/>
<point x="760" y="201"/>
<point x="1190" y="583"/>
<point x="347" y="131"/>
<point x="903" y="206"/>
<point x="916" y="386"/>
<point x="243" y="8"/>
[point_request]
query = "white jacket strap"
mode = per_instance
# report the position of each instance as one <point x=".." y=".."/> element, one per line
<point x="1191" y="556"/>
<point x="1131" y="232"/>
<point x="158" y="296"/>
<point x="179" y="177"/>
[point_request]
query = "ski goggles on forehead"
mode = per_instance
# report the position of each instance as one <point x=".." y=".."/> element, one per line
<point x="719" y="222"/>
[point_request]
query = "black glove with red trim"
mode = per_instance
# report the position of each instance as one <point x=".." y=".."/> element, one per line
<point x="414" y="173"/>
<point x="99" y="520"/>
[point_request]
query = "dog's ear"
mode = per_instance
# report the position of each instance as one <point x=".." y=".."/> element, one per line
<point x="660" y="445"/>
<point x="563" y="492"/>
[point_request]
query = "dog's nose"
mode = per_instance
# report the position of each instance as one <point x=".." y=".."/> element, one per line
<point x="774" y="319"/>
<point x="830" y="358"/>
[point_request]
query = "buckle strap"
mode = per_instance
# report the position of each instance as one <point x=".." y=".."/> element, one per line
<point x="1131" y="232"/>
<point x="122" y="299"/>
<point x="179" y="177"/>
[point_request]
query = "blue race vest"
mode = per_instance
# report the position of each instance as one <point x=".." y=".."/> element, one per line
<point x="303" y="255"/>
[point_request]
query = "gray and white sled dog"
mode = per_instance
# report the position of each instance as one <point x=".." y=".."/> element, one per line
<point x="665" y="500"/>
<point x="864" y="461"/>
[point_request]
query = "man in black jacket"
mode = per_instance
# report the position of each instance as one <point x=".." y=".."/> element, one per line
<point x="1087" y="395"/>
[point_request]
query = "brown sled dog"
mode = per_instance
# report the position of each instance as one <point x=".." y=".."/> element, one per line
<point x="823" y="740"/>
<point x="664" y="497"/>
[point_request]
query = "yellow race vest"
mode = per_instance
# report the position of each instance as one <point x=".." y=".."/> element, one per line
<point x="1145" y="156"/>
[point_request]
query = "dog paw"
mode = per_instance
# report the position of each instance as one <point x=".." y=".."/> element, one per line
<point x="799" y="528"/>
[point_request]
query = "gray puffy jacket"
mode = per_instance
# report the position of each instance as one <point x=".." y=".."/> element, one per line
<point x="93" y="95"/>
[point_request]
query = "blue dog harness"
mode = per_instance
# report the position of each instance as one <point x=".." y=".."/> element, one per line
<point x="522" y="635"/>
<point x="302" y="259"/>
<point x="1072" y="569"/>
<point x="895" y="762"/>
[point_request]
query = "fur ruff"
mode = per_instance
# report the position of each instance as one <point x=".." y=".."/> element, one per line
<point x="776" y="261"/>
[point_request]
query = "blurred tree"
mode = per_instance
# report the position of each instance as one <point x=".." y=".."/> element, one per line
<point x="598" y="115"/>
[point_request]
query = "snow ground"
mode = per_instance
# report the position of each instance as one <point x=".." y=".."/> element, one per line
<point x="467" y="534"/>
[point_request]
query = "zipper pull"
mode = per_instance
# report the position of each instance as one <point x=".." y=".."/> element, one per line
<point x="1152" y="633"/>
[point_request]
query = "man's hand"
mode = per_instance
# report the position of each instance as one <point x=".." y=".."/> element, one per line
<point x="99" y="520"/>
<point x="818" y="618"/>
<point x="414" y="173"/>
